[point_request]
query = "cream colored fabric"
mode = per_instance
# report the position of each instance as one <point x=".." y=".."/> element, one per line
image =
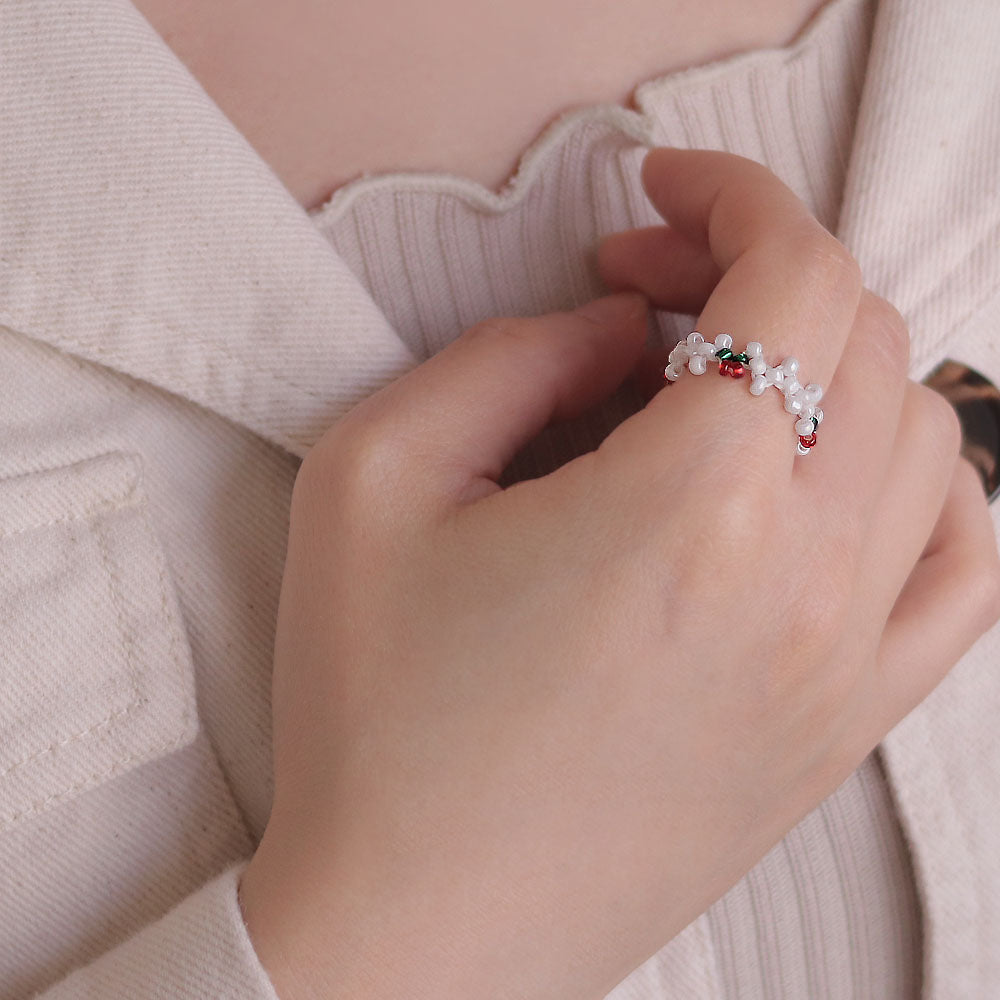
<point x="832" y="911"/>
<point x="175" y="332"/>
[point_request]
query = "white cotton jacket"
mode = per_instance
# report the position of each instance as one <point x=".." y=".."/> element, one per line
<point x="176" y="332"/>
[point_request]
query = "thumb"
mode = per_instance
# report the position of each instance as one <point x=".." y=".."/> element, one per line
<point x="465" y="412"/>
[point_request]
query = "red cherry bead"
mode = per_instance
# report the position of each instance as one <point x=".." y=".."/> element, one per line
<point x="808" y="442"/>
<point x="736" y="371"/>
<point x="723" y="367"/>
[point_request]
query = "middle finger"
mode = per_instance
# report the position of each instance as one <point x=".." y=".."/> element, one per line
<point x="786" y="283"/>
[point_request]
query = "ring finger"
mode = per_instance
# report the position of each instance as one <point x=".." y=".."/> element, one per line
<point x="841" y="479"/>
<point x="786" y="281"/>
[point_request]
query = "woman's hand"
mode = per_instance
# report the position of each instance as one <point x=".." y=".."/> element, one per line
<point x="523" y="737"/>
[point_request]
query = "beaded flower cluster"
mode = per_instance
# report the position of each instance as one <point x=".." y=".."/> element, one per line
<point x="800" y="400"/>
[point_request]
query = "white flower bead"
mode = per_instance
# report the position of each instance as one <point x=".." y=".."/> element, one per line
<point x="694" y="353"/>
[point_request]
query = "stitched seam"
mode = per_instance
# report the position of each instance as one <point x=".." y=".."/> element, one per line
<point x="119" y="765"/>
<point x="172" y="623"/>
<point x="138" y="701"/>
<point x="52" y="747"/>
<point x="183" y="333"/>
<point x="108" y="499"/>
<point x="101" y="507"/>
<point x="128" y="650"/>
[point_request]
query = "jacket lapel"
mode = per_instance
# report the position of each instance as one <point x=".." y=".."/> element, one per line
<point x="140" y="230"/>
<point x="921" y="213"/>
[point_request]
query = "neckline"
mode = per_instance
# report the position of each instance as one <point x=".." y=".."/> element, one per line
<point x="636" y="122"/>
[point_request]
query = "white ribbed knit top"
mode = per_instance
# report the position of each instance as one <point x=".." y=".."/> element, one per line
<point x="831" y="911"/>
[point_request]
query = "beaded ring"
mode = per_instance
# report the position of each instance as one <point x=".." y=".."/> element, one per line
<point x="800" y="400"/>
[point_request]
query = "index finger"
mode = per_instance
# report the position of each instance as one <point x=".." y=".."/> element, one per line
<point x="787" y="283"/>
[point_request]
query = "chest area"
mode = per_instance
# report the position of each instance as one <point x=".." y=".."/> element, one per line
<point x="325" y="92"/>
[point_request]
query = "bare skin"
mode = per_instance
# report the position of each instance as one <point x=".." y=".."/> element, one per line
<point x="325" y="91"/>
<point x="514" y="752"/>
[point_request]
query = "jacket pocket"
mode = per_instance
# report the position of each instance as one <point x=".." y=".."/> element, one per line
<point x="95" y="670"/>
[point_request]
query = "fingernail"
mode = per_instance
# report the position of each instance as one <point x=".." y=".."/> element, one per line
<point x="618" y="308"/>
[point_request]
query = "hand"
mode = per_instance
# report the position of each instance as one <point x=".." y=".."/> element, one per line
<point x="524" y="736"/>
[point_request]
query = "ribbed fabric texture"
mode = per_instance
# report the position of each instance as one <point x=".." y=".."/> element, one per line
<point x="831" y="911"/>
<point x="142" y="236"/>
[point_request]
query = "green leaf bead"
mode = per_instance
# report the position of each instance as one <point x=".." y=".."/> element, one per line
<point x="741" y="358"/>
<point x="724" y="353"/>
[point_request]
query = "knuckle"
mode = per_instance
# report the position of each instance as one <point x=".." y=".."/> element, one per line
<point x="820" y="604"/>
<point x="829" y="266"/>
<point x="887" y="331"/>
<point x="307" y="504"/>
<point x="737" y="512"/>
<point x="515" y="329"/>
<point x="942" y="428"/>
<point x="737" y="507"/>
<point x="984" y="562"/>
<point x="969" y="479"/>
<point x="351" y="469"/>
<point x="813" y="622"/>
<point x="726" y="528"/>
<point x="546" y="343"/>
<point x="984" y="593"/>
<point x="313" y="469"/>
<point x="820" y="610"/>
